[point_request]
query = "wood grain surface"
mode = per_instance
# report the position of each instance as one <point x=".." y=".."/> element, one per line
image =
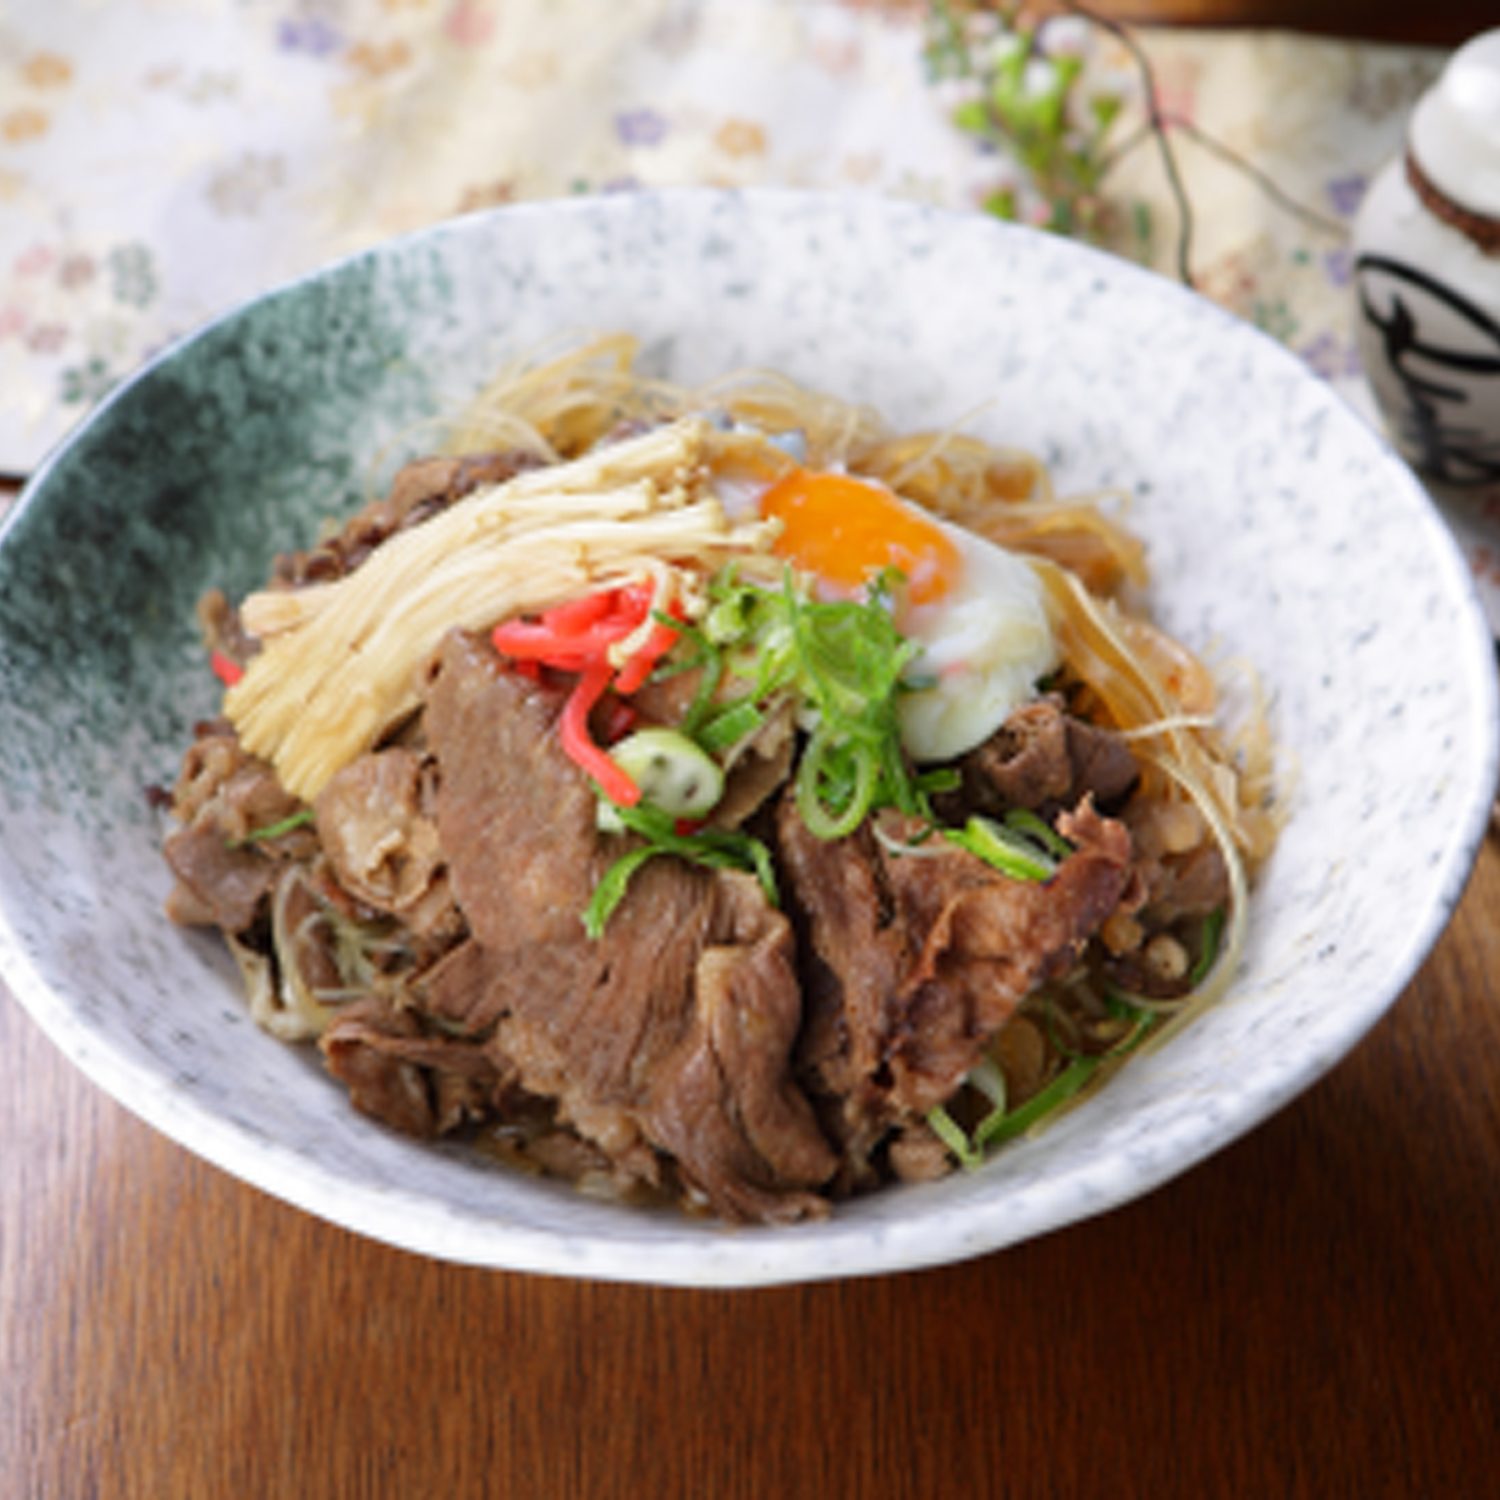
<point x="1437" y="23"/>
<point x="1311" y="1313"/>
<point x="1314" y="1312"/>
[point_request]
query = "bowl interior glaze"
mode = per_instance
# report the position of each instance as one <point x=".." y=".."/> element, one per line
<point x="1281" y="531"/>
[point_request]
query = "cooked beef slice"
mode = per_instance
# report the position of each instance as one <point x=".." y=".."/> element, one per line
<point x="419" y="491"/>
<point x="217" y="884"/>
<point x="672" y="1032"/>
<point x="515" y="817"/>
<point x="397" y="1071"/>
<point x="222" y="796"/>
<point x="1043" y="759"/>
<point x="375" y="823"/>
<point x="307" y="954"/>
<point x="219" y="622"/>
<point x="759" y="768"/>
<point x="1187" y="885"/>
<point x="988" y="942"/>
<point x="723" y="1102"/>
<point x="853" y="956"/>
<point x="912" y="962"/>
<point x="458" y="994"/>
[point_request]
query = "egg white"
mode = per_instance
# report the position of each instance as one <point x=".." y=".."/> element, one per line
<point x="984" y="646"/>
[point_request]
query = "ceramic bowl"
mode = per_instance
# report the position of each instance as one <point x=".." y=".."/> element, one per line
<point x="1281" y="530"/>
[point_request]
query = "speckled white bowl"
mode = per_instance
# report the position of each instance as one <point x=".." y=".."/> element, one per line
<point x="1280" y="528"/>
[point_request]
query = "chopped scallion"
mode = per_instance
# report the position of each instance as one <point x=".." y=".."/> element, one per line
<point x="951" y="1134"/>
<point x="611" y="888"/>
<point x="993" y="1131"/>
<point x="1003" y="849"/>
<point x="1025" y="822"/>
<point x="275" y="830"/>
<point x="1208" y="946"/>
<point x="730" y="725"/>
<point x="714" y="848"/>
<point x="990" y="1081"/>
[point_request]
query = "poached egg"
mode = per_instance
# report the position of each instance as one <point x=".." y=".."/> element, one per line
<point x="975" y="610"/>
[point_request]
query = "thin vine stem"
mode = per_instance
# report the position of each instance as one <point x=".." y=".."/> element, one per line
<point x="1263" y="180"/>
<point x="1230" y="157"/>
<point x="1157" y="125"/>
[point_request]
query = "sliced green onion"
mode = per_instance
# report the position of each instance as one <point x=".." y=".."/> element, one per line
<point x="1003" y="849"/>
<point x="1021" y="820"/>
<point x="728" y="620"/>
<point x="673" y="772"/>
<point x="714" y="848"/>
<point x="275" y="830"/>
<point x="1208" y="946"/>
<point x="1143" y="1021"/>
<point x="1057" y="1093"/>
<point x="843" y="660"/>
<point x="951" y="1134"/>
<point x="730" y="725"/>
<point x="765" y="870"/>
<point x="989" y="1080"/>
<point x="941" y="779"/>
<point x="712" y="664"/>
<point x="835" y="786"/>
<point x="999" y="1126"/>
<point x="611" y="888"/>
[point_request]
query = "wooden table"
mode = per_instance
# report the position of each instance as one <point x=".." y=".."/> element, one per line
<point x="1315" y="1312"/>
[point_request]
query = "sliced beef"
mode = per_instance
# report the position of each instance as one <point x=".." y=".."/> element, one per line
<point x="514" y="816"/>
<point x="1177" y="886"/>
<point x="987" y="942"/>
<point x="1103" y="766"/>
<point x="222" y="797"/>
<point x="759" y="768"/>
<point x="419" y="491"/>
<point x="459" y="994"/>
<point x="673" y="1032"/>
<point x="305" y="942"/>
<point x="217" y="883"/>
<point x="854" y="955"/>
<point x="219" y="621"/>
<point x="375" y="822"/>
<point x="397" y="1071"/>
<point x="723" y="1102"/>
<point x="1043" y="759"/>
<point x="914" y="961"/>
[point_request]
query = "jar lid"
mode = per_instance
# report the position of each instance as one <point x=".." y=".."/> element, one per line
<point x="1455" y="129"/>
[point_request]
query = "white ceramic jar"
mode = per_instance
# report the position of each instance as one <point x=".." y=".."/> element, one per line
<point x="1427" y="276"/>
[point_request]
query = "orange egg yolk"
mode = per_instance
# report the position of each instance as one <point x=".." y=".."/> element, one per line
<point x="847" y="530"/>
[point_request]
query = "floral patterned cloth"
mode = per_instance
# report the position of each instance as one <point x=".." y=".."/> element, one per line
<point x="162" y="160"/>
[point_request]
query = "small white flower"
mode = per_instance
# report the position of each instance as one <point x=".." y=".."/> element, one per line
<point x="1039" y="78"/>
<point x="995" y="52"/>
<point x="951" y="93"/>
<point x="1068" y="36"/>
